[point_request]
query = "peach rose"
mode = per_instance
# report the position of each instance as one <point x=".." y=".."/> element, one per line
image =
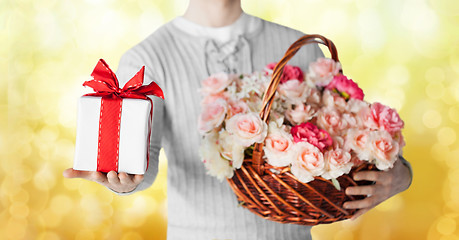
<point x="322" y="71"/>
<point x="236" y="107"/>
<point x="247" y="128"/>
<point x="278" y="146"/>
<point x="300" y="113"/>
<point x="358" y="141"/>
<point x="337" y="163"/>
<point x="308" y="162"/>
<point x="293" y="91"/>
<point x="217" y="83"/>
<point x="333" y="100"/>
<point x="212" y="115"/>
<point x="330" y="120"/>
<point x="384" y="149"/>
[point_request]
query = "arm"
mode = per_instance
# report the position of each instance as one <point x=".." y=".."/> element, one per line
<point x="123" y="183"/>
<point x="387" y="184"/>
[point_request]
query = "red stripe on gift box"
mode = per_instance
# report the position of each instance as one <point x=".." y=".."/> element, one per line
<point x="109" y="134"/>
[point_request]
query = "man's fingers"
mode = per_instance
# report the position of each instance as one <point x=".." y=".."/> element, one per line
<point x="98" y="177"/>
<point x="113" y="178"/>
<point x="366" y="190"/>
<point x="368" y="202"/>
<point x="72" y="173"/>
<point x="368" y="175"/>
<point x="138" y="178"/>
<point x="125" y="179"/>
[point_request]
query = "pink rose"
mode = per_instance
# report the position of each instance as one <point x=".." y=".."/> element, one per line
<point x="293" y="91"/>
<point x="217" y="83"/>
<point x="300" y="114"/>
<point x="330" y="120"/>
<point x="346" y="87"/>
<point x="247" y="128"/>
<point x="337" y="163"/>
<point x="308" y="132"/>
<point x="212" y="115"/>
<point x="389" y="119"/>
<point x="368" y="118"/>
<point x="314" y="96"/>
<point x="278" y="146"/>
<point x="290" y="73"/>
<point x="322" y="71"/>
<point x="384" y="149"/>
<point x="308" y="162"/>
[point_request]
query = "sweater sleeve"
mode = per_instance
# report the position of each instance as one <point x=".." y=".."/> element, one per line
<point x="129" y="65"/>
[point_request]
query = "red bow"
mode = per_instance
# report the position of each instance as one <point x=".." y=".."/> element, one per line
<point x="105" y="83"/>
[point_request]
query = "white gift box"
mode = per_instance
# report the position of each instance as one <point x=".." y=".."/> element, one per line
<point x="133" y="138"/>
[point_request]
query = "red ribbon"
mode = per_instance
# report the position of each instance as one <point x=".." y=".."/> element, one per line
<point x="106" y="85"/>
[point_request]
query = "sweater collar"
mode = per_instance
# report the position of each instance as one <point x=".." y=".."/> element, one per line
<point x="244" y="25"/>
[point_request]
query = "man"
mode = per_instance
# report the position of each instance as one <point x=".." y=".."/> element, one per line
<point x="212" y="36"/>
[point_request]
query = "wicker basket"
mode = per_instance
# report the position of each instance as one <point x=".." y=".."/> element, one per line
<point x="281" y="197"/>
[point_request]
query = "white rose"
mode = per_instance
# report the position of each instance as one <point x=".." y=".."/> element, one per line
<point x="216" y="165"/>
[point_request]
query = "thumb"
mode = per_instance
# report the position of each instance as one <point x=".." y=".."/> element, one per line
<point x="72" y="173"/>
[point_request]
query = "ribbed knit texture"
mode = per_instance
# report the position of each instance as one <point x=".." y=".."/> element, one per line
<point x="199" y="206"/>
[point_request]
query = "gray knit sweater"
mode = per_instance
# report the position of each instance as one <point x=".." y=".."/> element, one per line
<point x="200" y="206"/>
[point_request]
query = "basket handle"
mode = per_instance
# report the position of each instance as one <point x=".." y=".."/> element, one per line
<point x="257" y="161"/>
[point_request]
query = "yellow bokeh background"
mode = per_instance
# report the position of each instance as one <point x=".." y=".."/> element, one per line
<point x="404" y="53"/>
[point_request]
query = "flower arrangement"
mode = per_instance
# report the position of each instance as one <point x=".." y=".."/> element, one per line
<point x="319" y="124"/>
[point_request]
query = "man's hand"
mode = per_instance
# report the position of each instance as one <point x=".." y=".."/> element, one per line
<point x="387" y="184"/>
<point x="121" y="182"/>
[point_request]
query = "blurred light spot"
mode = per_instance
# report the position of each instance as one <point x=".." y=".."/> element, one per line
<point x="49" y="219"/>
<point x="344" y="234"/>
<point x="435" y="74"/>
<point x="22" y="196"/>
<point x="16" y="228"/>
<point x="446" y="136"/>
<point x="335" y="19"/>
<point x="45" y="178"/>
<point x="398" y="75"/>
<point x="439" y="152"/>
<point x="395" y="97"/>
<point x="454" y="90"/>
<point x="446" y="7"/>
<point x="393" y="204"/>
<point x="48" y="236"/>
<point x="19" y="210"/>
<point x="454" y="58"/>
<point x="131" y="236"/>
<point x="435" y="90"/>
<point x="84" y="234"/>
<point x="372" y="32"/>
<point x="61" y="204"/>
<point x="446" y="226"/>
<point x="453" y="114"/>
<point x="141" y="207"/>
<point x="419" y="18"/>
<point x="431" y="118"/>
<point x="10" y="187"/>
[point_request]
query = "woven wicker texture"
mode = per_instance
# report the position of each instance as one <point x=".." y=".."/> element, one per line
<point x="281" y="197"/>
